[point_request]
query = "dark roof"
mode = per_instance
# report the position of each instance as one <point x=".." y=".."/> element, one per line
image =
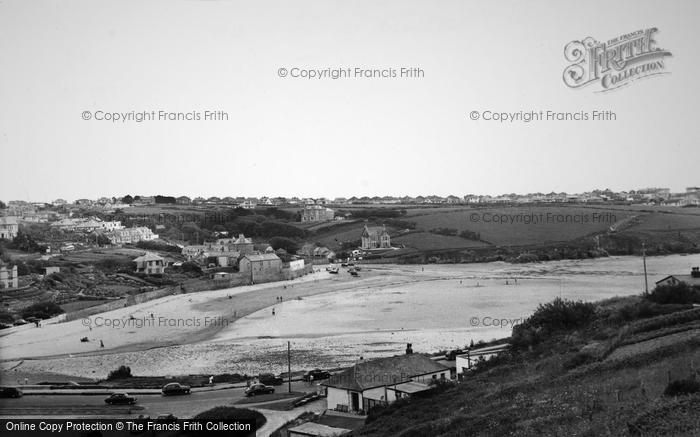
<point x="688" y="279"/>
<point x="377" y="231"/>
<point x="384" y="371"/>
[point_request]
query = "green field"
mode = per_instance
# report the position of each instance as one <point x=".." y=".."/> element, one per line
<point x="521" y="226"/>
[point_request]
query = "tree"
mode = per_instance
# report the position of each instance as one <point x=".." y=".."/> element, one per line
<point x="128" y="199"/>
<point x="2" y="205"/>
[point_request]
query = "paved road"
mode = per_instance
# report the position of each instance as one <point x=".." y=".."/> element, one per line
<point x="185" y="406"/>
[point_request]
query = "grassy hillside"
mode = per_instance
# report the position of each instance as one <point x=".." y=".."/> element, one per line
<point x="601" y="371"/>
<point x="545" y="231"/>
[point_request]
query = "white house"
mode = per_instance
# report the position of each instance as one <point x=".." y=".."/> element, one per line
<point x="150" y="264"/>
<point x="381" y="381"/>
<point x="464" y="362"/>
<point x="8" y="227"/>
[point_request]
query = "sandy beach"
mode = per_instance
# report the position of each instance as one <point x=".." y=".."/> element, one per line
<point x="331" y="320"/>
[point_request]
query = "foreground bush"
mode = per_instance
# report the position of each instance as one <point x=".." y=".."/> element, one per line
<point x="679" y="293"/>
<point x="42" y="310"/>
<point x="560" y="315"/>
<point x="121" y="372"/>
<point x="682" y="387"/>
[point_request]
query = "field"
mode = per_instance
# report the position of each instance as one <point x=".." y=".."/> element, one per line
<point x="537" y="226"/>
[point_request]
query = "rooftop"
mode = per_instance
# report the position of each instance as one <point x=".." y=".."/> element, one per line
<point x="384" y="371"/>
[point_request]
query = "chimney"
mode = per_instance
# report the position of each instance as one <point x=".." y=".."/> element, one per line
<point x="409" y="348"/>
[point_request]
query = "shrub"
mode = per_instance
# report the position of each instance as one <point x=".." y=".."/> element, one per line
<point x="42" y="310"/>
<point x="121" y="372"/>
<point x="579" y="359"/>
<point x="229" y="415"/>
<point x="678" y="293"/>
<point x="682" y="387"/>
<point x="556" y="316"/>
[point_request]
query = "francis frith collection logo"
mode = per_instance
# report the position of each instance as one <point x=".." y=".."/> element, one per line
<point x="614" y="63"/>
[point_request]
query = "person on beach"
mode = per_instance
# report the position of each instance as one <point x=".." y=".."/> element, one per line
<point x="273" y="311"/>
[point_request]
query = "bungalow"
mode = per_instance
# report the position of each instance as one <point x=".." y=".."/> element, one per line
<point x="8" y="228"/>
<point x="150" y="264"/>
<point x="466" y="361"/>
<point x="693" y="279"/>
<point x="381" y="381"/>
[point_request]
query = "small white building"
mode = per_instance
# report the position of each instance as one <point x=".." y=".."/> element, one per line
<point x="466" y="361"/>
<point x="382" y="381"/>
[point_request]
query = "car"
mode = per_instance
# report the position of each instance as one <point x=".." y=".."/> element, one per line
<point x="120" y="399"/>
<point x="10" y="392"/>
<point x="270" y="379"/>
<point x="259" y="389"/>
<point x="20" y="322"/>
<point x="166" y="418"/>
<point x="318" y="375"/>
<point x="175" y="388"/>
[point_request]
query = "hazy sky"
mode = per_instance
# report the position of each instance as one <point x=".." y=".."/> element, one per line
<point x="294" y="136"/>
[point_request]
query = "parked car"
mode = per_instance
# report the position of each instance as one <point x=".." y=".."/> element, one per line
<point x="259" y="389"/>
<point x="20" y="322"/>
<point x="175" y="388"/>
<point x="166" y="418"/>
<point x="10" y="392"/>
<point x="318" y="375"/>
<point x="270" y="379"/>
<point x="120" y="399"/>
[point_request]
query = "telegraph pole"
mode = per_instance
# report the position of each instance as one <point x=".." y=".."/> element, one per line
<point x="644" y="260"/>
<point x="289" y="366"/>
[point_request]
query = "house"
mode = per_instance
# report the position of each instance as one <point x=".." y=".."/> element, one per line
<point x="375" y="238"/>
<point x="693" y="279"/>
<point x="316" y="213"/>
<point x="9" y="228"/>
<point x="248" y="204"/>
<point x="381" y="381"/>
<point x="183" y="200"/>
<point x="131" y="235"/>
<point x="8" y="276"/>
<point x="51" y="270"/>
<point x="464" y="362"/>
<point x="261" y="268"/>
<point x="150" y="264"/>
<point x="243" y="245"/>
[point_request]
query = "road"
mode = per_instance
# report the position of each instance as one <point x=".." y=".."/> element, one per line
<point x="185" y="406"/>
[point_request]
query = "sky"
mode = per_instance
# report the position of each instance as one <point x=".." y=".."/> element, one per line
<point x="353" y="136"/>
